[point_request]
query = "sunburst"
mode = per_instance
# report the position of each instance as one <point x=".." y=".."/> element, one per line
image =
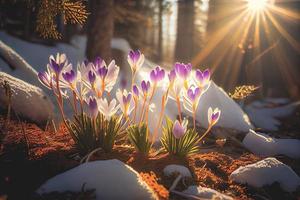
<point x="258" y="26"/>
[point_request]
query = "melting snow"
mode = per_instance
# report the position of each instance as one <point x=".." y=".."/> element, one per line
<point x="112" y="179"/>
<point x="266" y="172"/>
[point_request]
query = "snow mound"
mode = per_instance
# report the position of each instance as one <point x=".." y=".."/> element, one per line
<point x="264" y="145"/>
<point x="27" y="100"/>
<point x="16" y="65"/>
<point x="171" y="169"/>
<point x="264" y="115"/>
<point x="206" y="193"/>
<point x="232" y="115"/>
<point x="111" y="179"/>
<point x="266" y="172"/>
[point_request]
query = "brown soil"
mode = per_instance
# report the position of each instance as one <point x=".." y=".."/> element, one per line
<point x="29" y="156"/>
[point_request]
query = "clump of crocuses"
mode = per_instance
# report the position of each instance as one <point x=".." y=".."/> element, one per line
<point x="101" y="118"/>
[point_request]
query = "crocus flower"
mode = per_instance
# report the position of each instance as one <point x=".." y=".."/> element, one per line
<point x="91" y="77"/>
<point x="135" y="60"/>
<point x="84" y="68"/>
<point x="145" y="85"/>
<point x="70" y="77"/>
<point x="191" y="102"/>
<point x="193" y="94"/>
<point x="92" y="107"/>
<point x="98" y="62"/>
<point x="102" y="72"/>
<point x="108" y="109"/>
<point x="213" y="116"/>
<point x="46" y="79"/>
<point x="183" y="70"/>
<point x="125" y="100"/>
<point x="172" y="76"/>
<point x="179" y="129"/>
<point x="58" y="64"/>
<point x="106" y="78"/>
<point x="111" y="76"/>
<point x="135" y="91"/>
<point x="203" y="78"/>
<point x="157" y="74"/>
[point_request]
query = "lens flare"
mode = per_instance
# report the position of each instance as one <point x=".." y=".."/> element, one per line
<point x="257" y="5"/>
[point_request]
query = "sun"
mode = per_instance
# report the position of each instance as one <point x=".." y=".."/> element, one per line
<point x="257" y="5"/>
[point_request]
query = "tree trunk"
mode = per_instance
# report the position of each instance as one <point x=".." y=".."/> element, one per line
<point x="100" y="30"/>
<point x="185" y="28"/>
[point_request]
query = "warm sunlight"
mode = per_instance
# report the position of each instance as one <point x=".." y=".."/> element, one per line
<point x="257" y="5"/>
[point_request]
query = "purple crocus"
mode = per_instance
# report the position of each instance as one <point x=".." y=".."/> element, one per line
<point x="213" y="116"/>
<point x="57" y="64"/>
<point x="135" y="90"/>
<point x="172" y="75"/>
<point x="92" y="107"/>
<point x="203" y="78"/>
<point x="183" y="70"/>
<point x="178" y="129"/>
<point x="145" y="86"/>
<point x="134" y="55"/>
<point x="45" y="79"/>
<point x="98" y="62"/>
<point x="193" y="93"/>
<point x="157" y="74"/>
<point x="92" y="77"/>
<point x="124" y="99"/>
<point x="127" y="99"/>
<point x="102" y="72"/>
<point x="135" y="60"/>
<point x="70" y="76"/>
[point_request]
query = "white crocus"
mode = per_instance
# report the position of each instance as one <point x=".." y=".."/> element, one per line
<point x="125" y="100"/>
<point x="112" y="76"/>
<point x="108" y="109"/>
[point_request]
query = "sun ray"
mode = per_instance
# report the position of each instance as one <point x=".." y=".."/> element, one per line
<point x="293" y="42"/>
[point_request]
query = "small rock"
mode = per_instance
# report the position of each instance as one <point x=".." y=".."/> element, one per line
<point x="266" y="172"/>
<point x="263" y="145"/>
<point x="111" y="179"/>
<point x="171" y="169"/>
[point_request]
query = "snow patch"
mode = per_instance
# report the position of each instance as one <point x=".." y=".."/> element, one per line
<point x="173" y="169"/>
<point x="16" y="65"/>
<point x="206" y="193"/>
<point x="266" y="172"/>
<point x="263" y="114"/>
<point x="27" y="100"/>
<point x="264" y="145"/>
<point x="111" y="179"/>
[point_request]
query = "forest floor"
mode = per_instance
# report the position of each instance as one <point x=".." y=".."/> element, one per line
<point x="29" y="156"/>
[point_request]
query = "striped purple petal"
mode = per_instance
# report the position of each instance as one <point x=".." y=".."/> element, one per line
<point x="172" y="75"/>
<point x="92" y="77"/>
<point x="135" y="90"/>
<point x="134" y="55"/>
<point x="157" y="74"/>
<point x="69" y="76"/>
<point x="126" y="100"/>
<point x="183" y="70"/>
<point x="102" y="71"/>
<point x="215" y="116"/>
<point x="145" y="86"/>
<point x="193" y="94"/>
<point x="93" y="107"/>
<point x="54" y="66"/>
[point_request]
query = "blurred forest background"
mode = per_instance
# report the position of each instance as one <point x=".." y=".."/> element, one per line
<point x="207" y="33"/>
